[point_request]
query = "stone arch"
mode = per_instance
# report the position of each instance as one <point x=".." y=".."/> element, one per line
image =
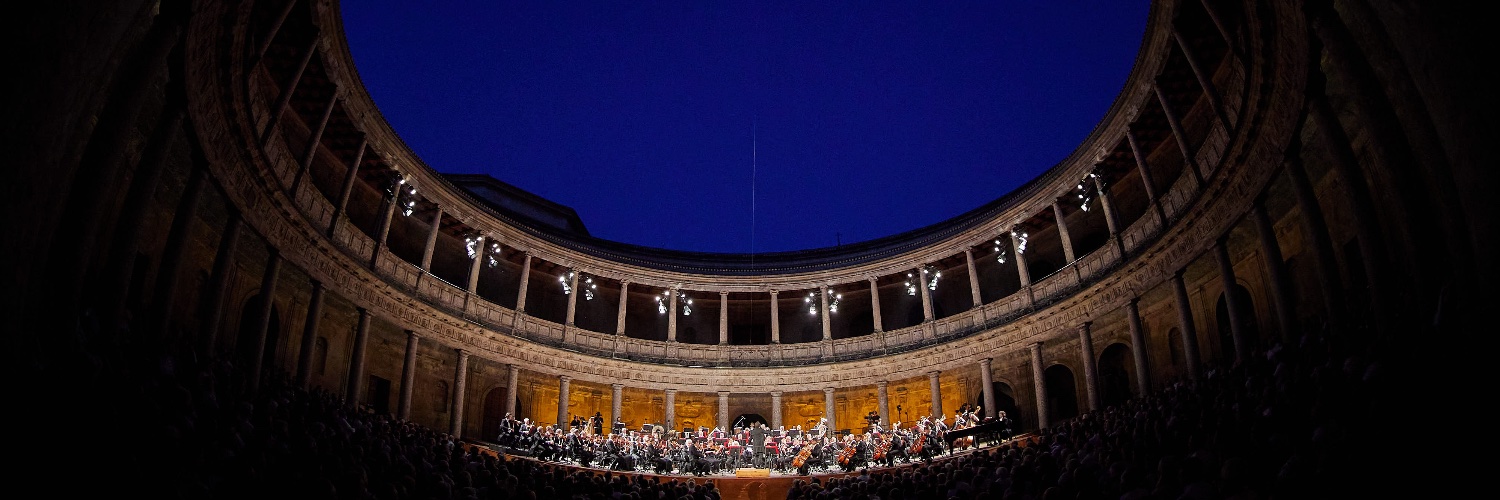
<point x="1005" y="400"/>
<point x="244" y="343"/>
<point x="494" y="412"/>
<point x="1247" y="320"/>
<point x="1116" y="369"/>
<point x="1062" y="393"/>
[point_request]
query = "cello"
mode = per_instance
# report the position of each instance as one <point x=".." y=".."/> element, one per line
<point x="803" y="455"/>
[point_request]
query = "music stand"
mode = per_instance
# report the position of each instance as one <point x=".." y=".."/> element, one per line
<point x="794" y="433"/>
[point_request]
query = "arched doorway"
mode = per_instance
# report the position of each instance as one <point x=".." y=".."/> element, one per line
<point x="1247" y="321"/>
<point x="245" y="341"/>
<point x="1005" y="400"/>
<point x="1116" y="369"/>
<point x="494" y="413"/>
<point x="745" y="420"/>
<point x="1062" y="394"/>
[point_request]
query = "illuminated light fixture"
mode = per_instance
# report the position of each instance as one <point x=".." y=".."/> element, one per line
<point x="1021" y="238"/>
<point x="661" y="302"/>
<point x="1000" y="251"/>
<point x="404" y="194"/>
<point x="586" y="283"/>
<point x="1087" y="189"/>
<point x="472" y="241"/>
<point x="911" y="288"/>
<point x="813" y="303"/>
<point x="931" y="276"/>
<point x="687" y="304"/>
<point x="493" y="255"/>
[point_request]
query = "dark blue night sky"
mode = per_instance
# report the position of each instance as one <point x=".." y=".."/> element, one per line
<point x="870" y="118"/>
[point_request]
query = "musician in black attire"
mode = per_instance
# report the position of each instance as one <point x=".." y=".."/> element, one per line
<point x="758" y="439"/>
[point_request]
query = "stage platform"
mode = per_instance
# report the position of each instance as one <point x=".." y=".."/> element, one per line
<point x="743" y="483"/>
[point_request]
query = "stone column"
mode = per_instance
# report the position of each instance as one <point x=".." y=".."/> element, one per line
<point x="1145" y="171"/>
<point x="922" y="278"/>
<point x="1189" y="159"/>
<point x="1213" y="15"/>
<point x="1062" y="232"/>
<point x="356" y="382"/>
<point x="138" y="199"/>
<point x="724" y="422"/>
<point x="616" y="400"/>
<point x="218" y="285"/>
<point x="385" y="228"/>
<point x="263" y="321"/>
<point x="432" y="236"/>
<point x="1366" y="226"/>
<point x="1040" y="382"/>
<point x="1236" y="318"/>
<point x="289" y="88"/>
<point x="775" y="318"/>
<point x="460" y="380"/>
<point x="882" y="401"/>
<point x="310" y="336"/>
<point x="1189" y="330"/>
<point x="1138" y="347"/>
<point x="563" y="393"/>
<point x="988" y="379"/>
<point x="350" y="175"/>
<point x="672" y="315"/>
<point x="723" y="318"/>
<point x="572" y="299"/>
<point x="1090" y="364"/>
<point x="525" y="277"/>
<point x="875" y="304"/>
<point x="164" y="294"/>
<point x="823" y="308"/>
<point x="314" y="142"/>
<point x="1315" y="229"/>
<point x="1205" y="81"/>
<point x="275" y="29"/>
<point x="511" y="380"/>
<point x="775" y="409"/>
<point x="1281" y="283"/>
<point x="408" y="376"/>
<point x="671" y="411"/>
<point x="1109" y="217"/>
<point x="1025" y="274"/>
<point x="828" y="412"/>
<point x="937" y="393"/>
<point x="473" y="284"/>
<point x="973" y="278"/>
<point x="620" y="314"/>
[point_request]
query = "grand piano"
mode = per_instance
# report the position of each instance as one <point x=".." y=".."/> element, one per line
<point x="991" y="431"/>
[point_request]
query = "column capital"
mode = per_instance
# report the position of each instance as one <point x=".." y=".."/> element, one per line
<point x="670" y="391"/>
<point x="462" y="353"/>
<point x="776" y="394"/>
<point x="882" y="383"/>
<point x="827" y="390"/>
<point x="986" y="362"/>
<point x="1035" y="347"/>
<point x="617" y="386"/>
<point x="412" y="334"/>
<point x="775" y="292"/>
<point x="723" y="394"/>
<point x="564" y="378"/>
<point x="872" y="279"/>
<point x="515" y="369"/>
<point x="723" y="293"/>
<point x="934" y="373"/>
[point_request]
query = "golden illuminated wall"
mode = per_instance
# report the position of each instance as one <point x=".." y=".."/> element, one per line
<point x="851" y="405"/>
<point x="696" y="410"/>
<point x="801" y="408"/>
<point x="585" y="399"/>
<point x="642" y="406"/>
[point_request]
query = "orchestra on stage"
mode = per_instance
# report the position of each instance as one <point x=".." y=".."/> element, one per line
<point x="706" y="452"/>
